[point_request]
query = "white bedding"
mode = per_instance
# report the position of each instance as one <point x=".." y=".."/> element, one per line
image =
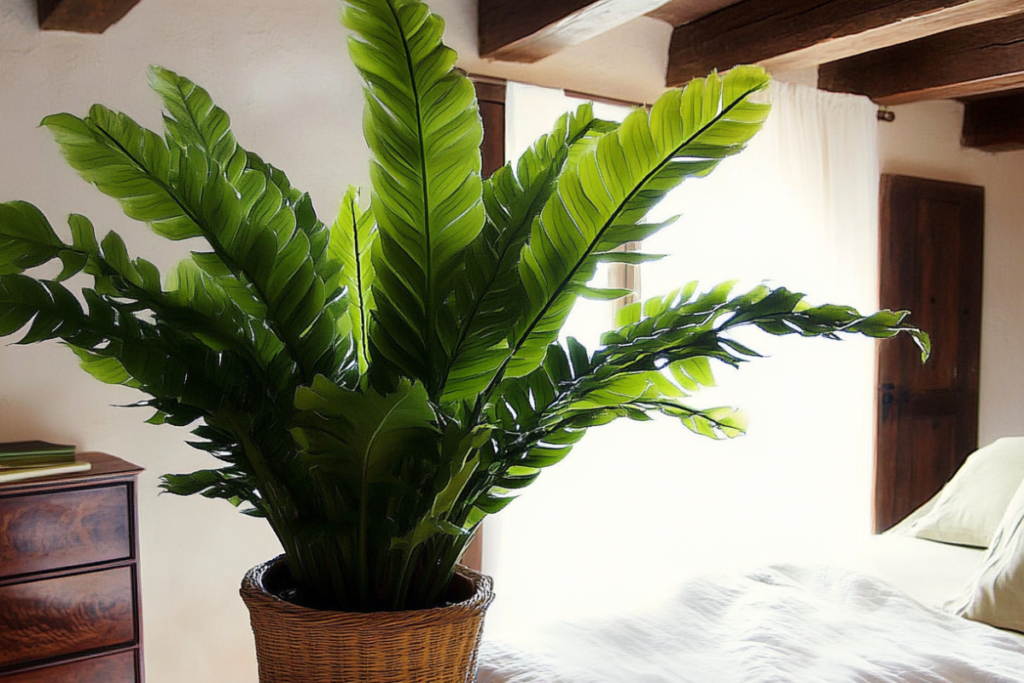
<point x="930" y="572"/>
<point x="784" y="623"/>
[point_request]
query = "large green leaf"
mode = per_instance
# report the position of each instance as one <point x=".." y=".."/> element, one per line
<point x="545" y="413"/>
<point x="601" y="200"/>
<point x="196" y="302"/>
<point x="356" y="439"/>
<point x="193" y="120"/>
<point x="356" y="445"/>
<point x="249" y="224"/>
<point x="491" y="289"/>
<point x="52" y="310"/>
<point x="423" y="128"/>
<point x="352" y="237"/>
<point x="26" y="238"/>
<point x="126" y="162"/>
<point x="675" y="330"/>
<point x="195" y="305"/>
<point x="155" y="358"/>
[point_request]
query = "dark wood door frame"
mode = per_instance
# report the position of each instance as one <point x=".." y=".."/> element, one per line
<point x="490" y="93"/>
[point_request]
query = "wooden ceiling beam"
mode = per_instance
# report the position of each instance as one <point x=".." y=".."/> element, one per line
<point x="529" y="30"/>
<point x="994" y="124"/>
<point x="82" y="16"/>
<point x="981" y="59"/>
<point x="795" y="34"/>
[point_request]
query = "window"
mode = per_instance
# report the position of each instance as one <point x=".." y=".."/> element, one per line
<point x="636" y="506"/>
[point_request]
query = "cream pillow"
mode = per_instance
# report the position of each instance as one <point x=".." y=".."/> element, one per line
<point x="995" y="594"/>
<point x="970" y="507"/>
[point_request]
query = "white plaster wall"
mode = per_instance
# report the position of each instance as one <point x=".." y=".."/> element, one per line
<point x="281" y="70"/>
<point x="924" y="141"/>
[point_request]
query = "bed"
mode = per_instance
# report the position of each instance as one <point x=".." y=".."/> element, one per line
<point x="902" y="607"/>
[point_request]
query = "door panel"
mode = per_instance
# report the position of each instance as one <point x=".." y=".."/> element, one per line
<point x="931" y="261"/>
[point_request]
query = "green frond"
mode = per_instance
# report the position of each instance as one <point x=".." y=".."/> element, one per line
<point x="106" y="369"/>
<point x="683" y="327"/>
<point x="491" y="292"/>
<point x="249" y="225"/>
<point x="423" y="129"/>
<point x="600" y="202"/>
<point x="193" y="120"/>
<point x="126" y="162"/>
<point x="26" y="238"/>
<point x="352" y="238"/>
<point x="47" y="307"/>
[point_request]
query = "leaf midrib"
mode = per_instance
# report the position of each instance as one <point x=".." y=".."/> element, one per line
<point x="531" y="213"/>
<point x="215" y="245"/>
<point x="429" y="265"/>
<point x="363" y="340"/>
<point x="572" y="272"/>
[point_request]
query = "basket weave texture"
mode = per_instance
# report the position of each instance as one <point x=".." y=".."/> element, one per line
<point x="296" y="644"/>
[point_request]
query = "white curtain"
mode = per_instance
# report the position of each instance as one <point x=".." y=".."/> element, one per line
<point x="637" y="506"/>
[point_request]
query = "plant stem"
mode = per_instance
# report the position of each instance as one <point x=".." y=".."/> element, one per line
<point x="402" y="586"/>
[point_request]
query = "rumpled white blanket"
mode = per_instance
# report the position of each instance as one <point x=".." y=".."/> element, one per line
<point x="780" y="624"/>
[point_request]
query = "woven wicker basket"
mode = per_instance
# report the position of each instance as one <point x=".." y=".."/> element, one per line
<point x="302" y="645"/>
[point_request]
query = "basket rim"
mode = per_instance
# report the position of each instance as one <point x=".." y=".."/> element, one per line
<point x="255" y="594"/>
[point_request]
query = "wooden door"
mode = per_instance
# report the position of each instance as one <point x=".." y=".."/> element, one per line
<point x="927" y="417"/>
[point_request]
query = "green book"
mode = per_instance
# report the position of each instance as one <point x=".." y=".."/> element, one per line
<point x="21" y="474"/>
<point x="34" y="453"/>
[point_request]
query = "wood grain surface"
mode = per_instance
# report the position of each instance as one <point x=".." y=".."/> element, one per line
<point x="994" y="124"/>
<point x="118" y="668"/>
<point x="70" y="614"/>
<point x="82" y="16"/>
<point x="529" y="30"/>
<point x="931" y="241"/>
<point x="63" y="529"/>
<point x="981" y="59"/>
<point x="794" y="34"/>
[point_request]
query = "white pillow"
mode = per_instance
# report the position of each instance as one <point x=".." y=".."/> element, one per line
<point x="970" y="507"/>
<point x="995" y="594"/>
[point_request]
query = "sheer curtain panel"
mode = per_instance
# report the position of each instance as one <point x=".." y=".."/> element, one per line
<point x="637" y="506"/>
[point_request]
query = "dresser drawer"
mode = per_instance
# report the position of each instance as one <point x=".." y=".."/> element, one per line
<point x="119" y="668"/>
<point x="45" y="531"/>
<point x="67" y="615"/>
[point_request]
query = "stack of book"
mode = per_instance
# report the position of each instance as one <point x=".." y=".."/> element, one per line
<point x="21" y="460"/>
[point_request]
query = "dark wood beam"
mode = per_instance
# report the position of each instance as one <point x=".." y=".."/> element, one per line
<point x="679" y="12"/>
<point x="981" y="59"/>
<point x="994" y="124"/>
<point x="795" y="34"/>
<point x="82" y="16"/>
<point x="529" y="30"/>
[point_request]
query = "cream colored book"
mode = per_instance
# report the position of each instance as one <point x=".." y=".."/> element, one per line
<point x="22" y="473"/>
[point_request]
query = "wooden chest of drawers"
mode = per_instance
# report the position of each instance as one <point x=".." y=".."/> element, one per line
<point x="69" y="577"/>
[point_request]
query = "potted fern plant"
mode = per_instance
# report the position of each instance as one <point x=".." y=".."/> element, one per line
<point x="374" y="388"/>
